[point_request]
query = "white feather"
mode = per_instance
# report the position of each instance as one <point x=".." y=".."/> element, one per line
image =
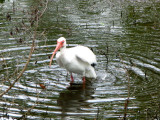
<point x="77" y="59"/>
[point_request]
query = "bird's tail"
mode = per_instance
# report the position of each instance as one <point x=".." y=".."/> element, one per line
<point x="90" y="73"/>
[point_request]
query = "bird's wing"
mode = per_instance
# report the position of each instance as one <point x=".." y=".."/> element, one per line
<point x="85" y="54"/>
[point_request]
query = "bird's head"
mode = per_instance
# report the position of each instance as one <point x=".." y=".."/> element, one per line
<point x="61" y="42"/>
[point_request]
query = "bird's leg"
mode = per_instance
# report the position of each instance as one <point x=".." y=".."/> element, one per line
<point x="84" y="82"/>
<point x="84" y="79"/>
<point x="72" y="80"/>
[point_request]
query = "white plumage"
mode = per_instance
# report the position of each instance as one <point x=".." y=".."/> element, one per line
<point x="79" y="59"/>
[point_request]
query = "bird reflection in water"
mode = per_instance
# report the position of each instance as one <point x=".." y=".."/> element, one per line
<point x="73" y="99"/>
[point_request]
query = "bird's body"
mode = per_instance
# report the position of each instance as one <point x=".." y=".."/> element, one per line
<point x="79" y="59"/>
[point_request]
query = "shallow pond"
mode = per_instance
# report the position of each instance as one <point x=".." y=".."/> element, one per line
<point x="124" y="35"/>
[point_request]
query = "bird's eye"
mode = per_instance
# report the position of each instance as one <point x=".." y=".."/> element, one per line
<point x="62" y="41"/>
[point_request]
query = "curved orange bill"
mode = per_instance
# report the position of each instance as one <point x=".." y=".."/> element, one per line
<point x="52" y="58"/>
<point x="59" y="45"/>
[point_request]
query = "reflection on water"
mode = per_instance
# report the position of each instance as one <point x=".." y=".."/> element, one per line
<point x="123" y="34"/>
<point x="73" y="100"/>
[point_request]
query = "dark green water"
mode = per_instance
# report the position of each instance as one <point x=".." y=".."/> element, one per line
<point x="124" y="35"/>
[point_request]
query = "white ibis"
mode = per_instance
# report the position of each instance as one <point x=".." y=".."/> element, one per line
<point x="79" y="59"/>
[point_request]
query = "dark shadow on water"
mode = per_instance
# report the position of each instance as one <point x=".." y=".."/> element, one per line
<point x="72" y="99"/>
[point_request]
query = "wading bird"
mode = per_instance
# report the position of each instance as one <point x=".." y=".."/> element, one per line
<point x="80" y="59"/>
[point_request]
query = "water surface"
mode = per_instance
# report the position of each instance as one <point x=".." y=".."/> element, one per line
<point x="123" y="35"/>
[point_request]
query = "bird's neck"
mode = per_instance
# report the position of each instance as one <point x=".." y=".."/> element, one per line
<point x="62" y="48"/>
